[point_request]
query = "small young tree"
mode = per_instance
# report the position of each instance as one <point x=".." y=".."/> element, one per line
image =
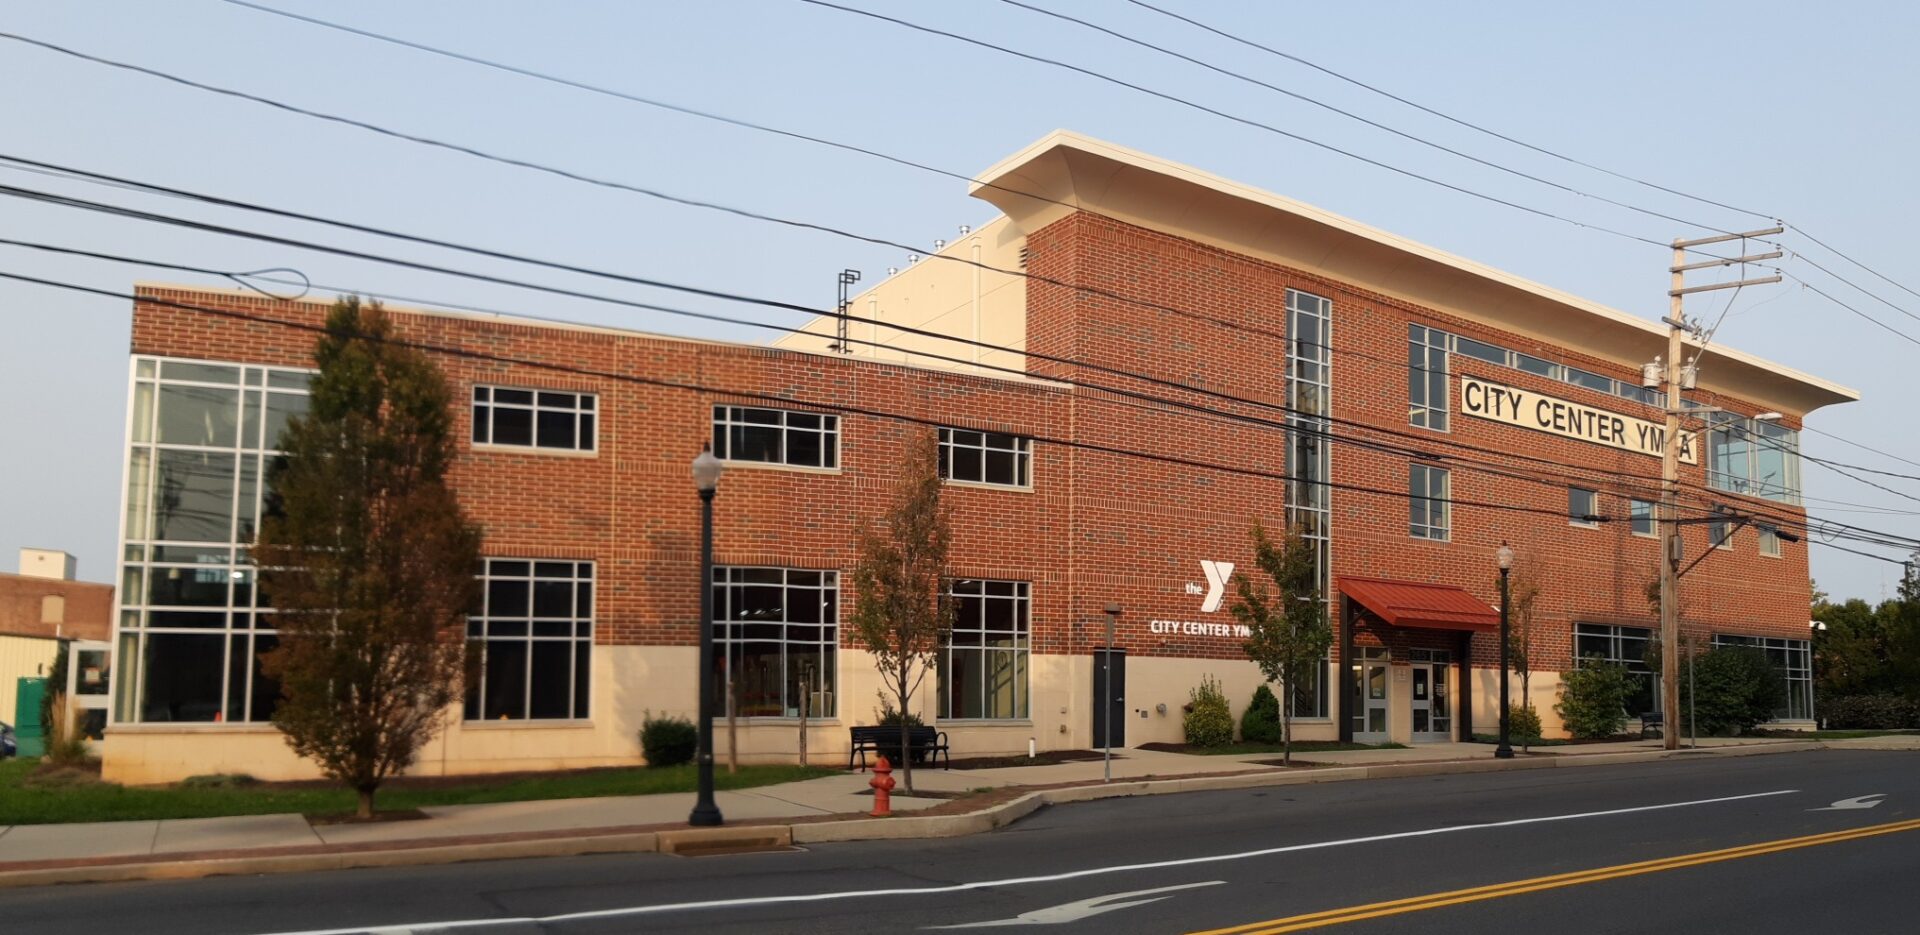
<point x="1288" y="633"/>
<point x="367" y="557"/>
<point x="1523" y="594"/>
<point x="899" y="607"/>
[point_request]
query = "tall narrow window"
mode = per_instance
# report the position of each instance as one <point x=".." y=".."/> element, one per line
<point x="1309" y="451"/>
<point x="534" y="637"/>
<point x="1583" y="507"/>
<point x="1769" y="539"/>
<point x="777" y="630"/>
<point x="1720" y="528"/>
<point x="1426" y="377"/>
<point x="983" y="672"/>
<point x="1428" y="502"/>
<point x="991" y="458"/>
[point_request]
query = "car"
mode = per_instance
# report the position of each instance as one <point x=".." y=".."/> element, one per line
<point x="8" y="745"/>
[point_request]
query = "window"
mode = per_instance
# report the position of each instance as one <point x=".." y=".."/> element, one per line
<point x="1624" y="646"/>
<point x="1309" y="498"/>
<point x="1755" y="457"/>
<point x="1480" y="351"/>
<point x="1592" y="381"/>
<point x="1769" y="539"/>
<point x="534" y="637"/>
<point x="1535" y="365"/>
<point x="1427" y="378"/>
<point x="1428" y="502"/>
<point x="191" y="626"/>
<point x="1643" y="518"/>
<point x="533" y="418"/>
<point x="983" y="672"/>
<point x="1583" y="507"/>
<point x="1720" y="528"/>
<point x="984" y="457"/>
<point x="776" y="630"/>
<point x="776" y="436"/>
<point x="1794" y="661"/>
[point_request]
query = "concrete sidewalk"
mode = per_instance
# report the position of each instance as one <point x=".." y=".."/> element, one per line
<point x="460" y="831"/>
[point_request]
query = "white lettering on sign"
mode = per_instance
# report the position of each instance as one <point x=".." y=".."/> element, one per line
<point x="1542" y="413"/>
<point x="1194" y="628"/>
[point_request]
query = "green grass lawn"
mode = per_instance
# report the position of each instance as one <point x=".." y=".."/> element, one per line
<point x="23" y="803"/>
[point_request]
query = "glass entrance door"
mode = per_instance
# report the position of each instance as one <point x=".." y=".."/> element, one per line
<point x="1368" y="705"/>
<point x="1432" y="699"/>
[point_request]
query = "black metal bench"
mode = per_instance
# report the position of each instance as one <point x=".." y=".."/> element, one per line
<point x="1653" y="722"/>
<point x="924" y="744"/>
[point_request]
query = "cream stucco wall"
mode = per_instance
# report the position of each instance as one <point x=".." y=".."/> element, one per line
<point x="631" y="681"/>
<point x="22" y="657"/>
<point x="948" y="294"/>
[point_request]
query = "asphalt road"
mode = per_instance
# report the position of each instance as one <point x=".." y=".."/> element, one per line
<point x="1187" y="863"/>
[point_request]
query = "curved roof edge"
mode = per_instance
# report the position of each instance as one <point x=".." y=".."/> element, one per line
<point x="1066" y="171"/>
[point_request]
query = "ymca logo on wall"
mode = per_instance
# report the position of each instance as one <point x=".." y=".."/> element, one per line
<point x="1218" y="574"/>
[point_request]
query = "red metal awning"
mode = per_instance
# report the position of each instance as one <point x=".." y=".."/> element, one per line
<point x="1412" y="604"/>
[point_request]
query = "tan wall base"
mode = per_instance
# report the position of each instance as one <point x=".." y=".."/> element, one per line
<point x="630" y="681"/>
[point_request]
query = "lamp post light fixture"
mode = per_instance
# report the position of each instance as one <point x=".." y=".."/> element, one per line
<point x="1106" y="697"/>
<point x="706" y="477"/>
<point x="1505" y="557"/>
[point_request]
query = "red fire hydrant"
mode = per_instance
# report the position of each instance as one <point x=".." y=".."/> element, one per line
<point x="882" y="783"/>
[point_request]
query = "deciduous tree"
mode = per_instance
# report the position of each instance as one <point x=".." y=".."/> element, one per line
<point x="367" y="558"/>
<point x="1288" y="633"/>
<point x="900" y="608"/>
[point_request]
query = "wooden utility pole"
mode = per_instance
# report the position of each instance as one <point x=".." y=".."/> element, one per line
<point x="1675" y="380"/>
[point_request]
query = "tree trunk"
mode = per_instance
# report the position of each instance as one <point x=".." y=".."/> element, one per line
<point x="366" y="803"/>
<point x="805" y="699"/>
<point x="733" y="734"/>
<point x="906" y="762"/>
<point x="1526" y="701"/>
<point x="1286" y="734"/>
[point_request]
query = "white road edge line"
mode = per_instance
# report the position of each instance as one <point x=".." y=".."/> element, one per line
<point x="1017" y="881"/>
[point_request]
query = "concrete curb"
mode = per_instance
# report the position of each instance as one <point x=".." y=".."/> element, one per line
<point x="691" y="841"/>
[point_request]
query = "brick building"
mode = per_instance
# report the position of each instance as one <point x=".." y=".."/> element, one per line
<point x="1150" y="358"/>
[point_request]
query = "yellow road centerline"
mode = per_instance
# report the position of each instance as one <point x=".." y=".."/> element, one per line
<point x="1535" y="884"/>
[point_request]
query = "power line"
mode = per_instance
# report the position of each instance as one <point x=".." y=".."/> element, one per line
<point x="1353" y="116"/>
<point x="784" y="400"/>
<point x="1246" y="121"/>
<point x="1877" y="322"/>
<point x="1445" y="116"/>
<point x="1830" y="249"/>
<point x="1398" y="451"/>
<point x="1884" y="454"/>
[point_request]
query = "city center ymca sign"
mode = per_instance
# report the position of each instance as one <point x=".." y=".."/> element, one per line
<point x="1542" y="413"/>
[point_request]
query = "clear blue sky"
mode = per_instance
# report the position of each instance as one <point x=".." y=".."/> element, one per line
<point x="1805" y="111"/>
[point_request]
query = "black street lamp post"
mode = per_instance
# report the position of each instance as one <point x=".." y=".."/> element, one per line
<point x="706" y="477"/>
<point x="1505" y="557"/>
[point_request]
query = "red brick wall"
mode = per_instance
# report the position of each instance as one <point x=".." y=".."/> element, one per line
<point x="87" y="610"/>
<point x="1098" y="526"/>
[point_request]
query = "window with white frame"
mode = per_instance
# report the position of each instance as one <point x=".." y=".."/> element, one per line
<point x="1429" y="502"/>
<point x="534" y="639"/>
<point x="1720" y="528"/>
<point x="994" y="458"/>
<point x="776" y="630"/>
<point x="556" y="420"/>
<point x="1583" y="507"/>
<point x="1625" y="647"/>
<point x="1769" y="539"/>
<point x="1793" y="659"/>
<point x="1642" y="517"/>
<point x="983" y="669"/>
<point x="776" y="436"/>
<point x="1427" y="397"/>
<point x="191" y="625"/>
<point x="1309" y="506"/>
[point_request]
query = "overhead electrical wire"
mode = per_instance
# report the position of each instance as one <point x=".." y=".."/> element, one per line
<point x="1236" y="118"/>
<point x="1163" y="50"/>
<point x="1446" y="116"/>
